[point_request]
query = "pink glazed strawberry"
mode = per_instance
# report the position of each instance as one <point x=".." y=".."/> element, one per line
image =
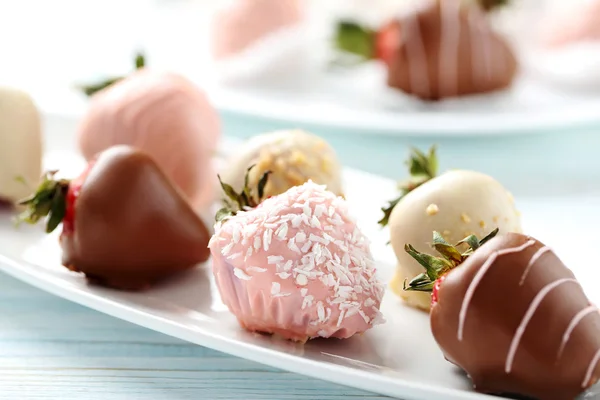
<point x="296" y="265"/>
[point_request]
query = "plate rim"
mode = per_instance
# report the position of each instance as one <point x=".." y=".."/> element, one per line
<point x="375" y="383"/>
<point x="440" y="123"/>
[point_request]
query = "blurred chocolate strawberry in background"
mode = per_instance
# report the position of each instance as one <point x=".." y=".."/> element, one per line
<point x="441" y="49"/>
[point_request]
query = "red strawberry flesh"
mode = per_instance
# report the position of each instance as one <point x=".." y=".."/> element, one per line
<point x="387" y="42"/>
<point x="72" y="195"/>
<point x="436" y="288"/>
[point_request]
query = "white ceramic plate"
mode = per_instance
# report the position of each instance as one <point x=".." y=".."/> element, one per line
<point x="347" y="103"/>
<point x="398" y="358"/>
<point x="286" y="78"/>
<point x="357" y="101"/>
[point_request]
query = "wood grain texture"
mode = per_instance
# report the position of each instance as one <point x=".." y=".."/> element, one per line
<point x="53" y="349"/>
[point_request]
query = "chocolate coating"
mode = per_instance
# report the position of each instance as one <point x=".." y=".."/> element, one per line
<point x="448" y="49"/>
<point x="132" y="227"/>
<point x="554" y="350"/>
<point x="5" y="204"/>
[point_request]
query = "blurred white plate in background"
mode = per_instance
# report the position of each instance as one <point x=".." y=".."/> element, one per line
<point x="47" y="47"/>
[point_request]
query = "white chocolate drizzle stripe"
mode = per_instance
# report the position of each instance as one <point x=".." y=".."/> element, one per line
<point x="590" y="370"/>
<point x="533" y="260"/>
<point x="572" y="325"/>
<point x="537" y="300"/>
<point x="418" y="71"/>
<point x="471" y="19"/>
<point x="449" y="48"/>
<point x="477" y="279"/>
<point x="485" y="35"/>
<point x="501" y="60"/>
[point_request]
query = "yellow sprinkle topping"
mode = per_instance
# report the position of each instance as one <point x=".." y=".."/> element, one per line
<point x="465" y="218"/>
<point x="325" y="164"/>
<point x="280" y="164"/>
<point x="320" y="144"/>
<point x="432" y="209"/>
<point x="297" y="158"/>
<point x="482" y="223"/>
<point x="511" y="198"/>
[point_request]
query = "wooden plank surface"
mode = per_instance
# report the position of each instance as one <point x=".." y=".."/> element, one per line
<point x="53" y="349"/>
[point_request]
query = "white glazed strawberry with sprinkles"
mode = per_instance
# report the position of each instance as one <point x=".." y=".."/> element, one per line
<point x="296" y="266"/>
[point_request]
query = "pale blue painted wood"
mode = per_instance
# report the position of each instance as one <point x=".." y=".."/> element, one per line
<point x="53" y="349"/>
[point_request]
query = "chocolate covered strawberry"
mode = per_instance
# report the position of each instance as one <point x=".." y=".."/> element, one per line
<point x="512" y="315"/>
<point x="124" y="223"/>
<point x="440" y="49"/>
<point x="369" y="44"/>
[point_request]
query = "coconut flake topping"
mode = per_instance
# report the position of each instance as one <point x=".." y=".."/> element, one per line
<point x="306" y="236"/>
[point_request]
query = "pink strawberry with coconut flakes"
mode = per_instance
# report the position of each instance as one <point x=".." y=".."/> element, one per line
<point x="297" y="266"/>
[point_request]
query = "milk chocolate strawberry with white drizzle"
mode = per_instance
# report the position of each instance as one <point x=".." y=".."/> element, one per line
<point x="512" y="315"/>
<point x="124" y="224"/>
<point x="442" y="49"/>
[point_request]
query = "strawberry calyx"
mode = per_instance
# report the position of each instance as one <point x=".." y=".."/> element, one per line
<point x="491" y="5"/>
<point x="49" y="200"/>
<point x="422" y="168"/>
<point x="358" y="40"/>
<point x="54" y="199"/>
<point x="368" y="44"/>
<point x="93" y="88"/>
<point x="436" y="268"/>
<point x="235" y="202"/>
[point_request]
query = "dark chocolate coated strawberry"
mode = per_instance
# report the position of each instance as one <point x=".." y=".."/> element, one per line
<point x="514" y="317"/>
<point x="124" y="224"/>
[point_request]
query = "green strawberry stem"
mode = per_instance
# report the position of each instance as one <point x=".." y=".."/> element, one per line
<point x="235" y="202"/>
<point x="422" y="168"/>
<point x="353" y="38"/>
<point x="436" y="267"/>
<point x="490" y="5"/>
<point x="91" y="89"/>
<point x="49" y="200"/>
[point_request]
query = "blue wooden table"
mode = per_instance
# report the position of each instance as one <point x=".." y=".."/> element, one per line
<point x="52" y="349"/>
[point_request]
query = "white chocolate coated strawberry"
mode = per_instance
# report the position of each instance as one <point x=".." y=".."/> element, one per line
<point x="456" y="204"/>
<point x="292" y="156"/>
<point x="20" y="144"/>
